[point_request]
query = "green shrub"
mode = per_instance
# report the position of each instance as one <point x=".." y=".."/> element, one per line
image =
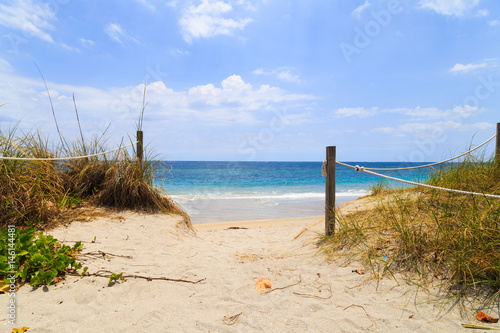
<point x="35" y="260"/>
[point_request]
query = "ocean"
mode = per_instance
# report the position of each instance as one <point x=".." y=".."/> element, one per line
<point x="236" y="191"/>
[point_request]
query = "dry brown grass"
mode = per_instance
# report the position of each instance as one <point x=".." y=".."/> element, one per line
<point x="42" y="193"/>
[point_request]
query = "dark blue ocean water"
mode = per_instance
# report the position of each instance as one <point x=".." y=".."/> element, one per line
<point x="222" y="191"/>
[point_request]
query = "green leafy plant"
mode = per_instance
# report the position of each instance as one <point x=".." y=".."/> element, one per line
<point x="37" y="259"/>
<point x="115" y="278"/>
<point x="68" y="201"/>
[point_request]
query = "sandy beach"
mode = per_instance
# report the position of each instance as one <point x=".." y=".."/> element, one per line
<point x="226" y="260"/>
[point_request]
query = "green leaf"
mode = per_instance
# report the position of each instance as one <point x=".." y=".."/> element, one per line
<point x="37" y="257"/>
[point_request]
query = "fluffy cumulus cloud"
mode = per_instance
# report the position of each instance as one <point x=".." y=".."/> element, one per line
<point x="232" y="101"/>
<point x="450" y="7"/>
<point x="209" y="19"/>
<point x="29" y="17"/>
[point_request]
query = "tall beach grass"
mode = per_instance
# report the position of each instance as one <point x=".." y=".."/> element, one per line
<point x="38" y="192"/>
<point x="430" y="235"/>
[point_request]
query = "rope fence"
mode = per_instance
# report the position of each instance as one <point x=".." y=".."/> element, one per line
<point x="329" y="171"/>
<point x="358" y="169"/>
<point x="63" y="158"/>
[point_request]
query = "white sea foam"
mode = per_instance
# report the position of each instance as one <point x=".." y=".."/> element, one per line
<point x="266" y="196"/>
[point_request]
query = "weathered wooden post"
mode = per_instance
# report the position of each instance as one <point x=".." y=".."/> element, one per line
<point x="330" y="191"/>
<point x="497" y="150"/>
<point x="140" y="148"/>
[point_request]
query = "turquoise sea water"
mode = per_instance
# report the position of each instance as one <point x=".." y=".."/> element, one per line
<point x="229" y="191"/>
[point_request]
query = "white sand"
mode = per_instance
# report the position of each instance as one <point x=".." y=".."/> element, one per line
<point x="329" y="298"/>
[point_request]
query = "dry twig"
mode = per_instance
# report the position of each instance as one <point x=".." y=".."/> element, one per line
<point x="102" y="254"/>
<point x="359" y="306"/>
<point x="107" y="274"/>
<point x="231" y="320"/>
<point x="281" y="288"/>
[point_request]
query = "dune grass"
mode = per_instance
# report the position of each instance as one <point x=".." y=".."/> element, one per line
<point x="38" y="192"/>
<point x="430" y="235"/>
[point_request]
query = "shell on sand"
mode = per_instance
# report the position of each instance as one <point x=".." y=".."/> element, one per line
<point x="263" y="284"/>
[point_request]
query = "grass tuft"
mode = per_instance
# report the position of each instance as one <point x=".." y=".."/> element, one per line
<point x="39" y="192"/>
<point x="430" y="234"/>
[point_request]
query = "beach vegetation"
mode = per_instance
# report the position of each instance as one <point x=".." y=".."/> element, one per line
<point x="35" y="259"/>
<point x="430" y="235"/>
<point x="37" y="195"/>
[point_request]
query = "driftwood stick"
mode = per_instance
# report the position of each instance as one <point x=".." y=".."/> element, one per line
<point x="281" y="288"/>
<point x="107" y="274"/>
<point x="102" y="254"/>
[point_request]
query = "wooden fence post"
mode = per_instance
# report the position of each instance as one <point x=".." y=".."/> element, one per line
<point x="497" y="150"/>
<point x="140" y="148"/>
<point x="330" y="191"/>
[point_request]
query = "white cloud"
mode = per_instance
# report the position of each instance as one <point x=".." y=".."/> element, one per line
<point x="5" y="66"/>
<point x="209" y="20"/>
<point x="259" y="71"/>
<point x="282" y="73"/>
<point x="241" y="95"/>
<point x="356" y="112"/>
<point x="417" y="113"/>
<point x="465" y="68"/>
<point x="69" y="48"/>
<point x="178" y="52"/>
<point x="146" y="4"/>
<point x="359" y="10"/>
<point x="461" y="68"/>
<point x="116" y="32"/>
<point x="450" y="7"/>
<point x="232" y="101"/>
<point x="483" y="12"/>
<point x="30" y="17"/>
<point x="288" y="76"/>
<point x="87" y="42"/>
<point x="494" y="23"/>
<point x="429" y="129"/>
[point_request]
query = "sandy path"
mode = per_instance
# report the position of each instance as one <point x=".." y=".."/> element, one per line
<point x="230" y="261"/>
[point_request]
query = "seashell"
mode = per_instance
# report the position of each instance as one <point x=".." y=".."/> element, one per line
<point x="263" y="284"/>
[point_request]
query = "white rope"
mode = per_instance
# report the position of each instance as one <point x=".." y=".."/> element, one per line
<point x="63" y="158"/>
<point x="432" y="164"/>
<point x="358" y="168"/>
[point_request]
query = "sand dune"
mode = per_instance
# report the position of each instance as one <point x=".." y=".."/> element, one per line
<point x="308" y="295"/>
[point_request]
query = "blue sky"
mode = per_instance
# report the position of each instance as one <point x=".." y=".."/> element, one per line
<point x="383" y="80"/>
